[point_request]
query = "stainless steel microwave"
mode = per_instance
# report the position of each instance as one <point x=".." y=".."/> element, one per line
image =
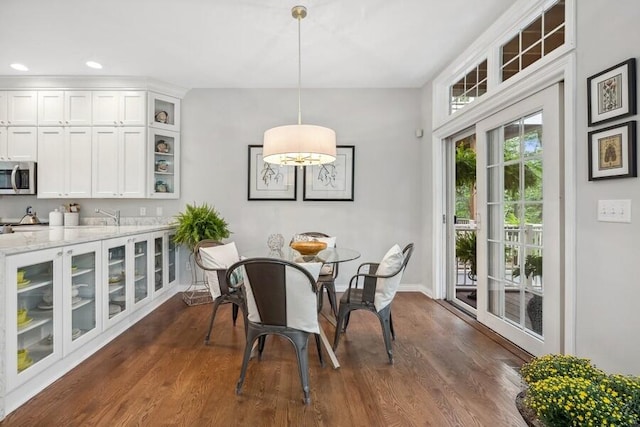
<point x="17" y="177"/>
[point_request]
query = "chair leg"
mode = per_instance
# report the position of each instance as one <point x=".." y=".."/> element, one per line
<point x="393" y="333"/>
<point x="251" y="337"/>
<point x="234" y="313"/>
<point x="331" y="293"/>
<point x="261" y="341"/>
<point x="320" y="297"/>
<point x="342" y="315"/>
<point x="300" y="343"/>
<point x="216" y="304"/>
<point x="346" y="321"/>
<point x="385" y="315"/>
<point x="319" y="346"/>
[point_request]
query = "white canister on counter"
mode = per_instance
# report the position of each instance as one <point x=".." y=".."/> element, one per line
<point x="71" y="219"/>
<point x="55" y="218"/>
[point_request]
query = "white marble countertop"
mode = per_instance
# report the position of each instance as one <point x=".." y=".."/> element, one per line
<point x="43" y="237"/>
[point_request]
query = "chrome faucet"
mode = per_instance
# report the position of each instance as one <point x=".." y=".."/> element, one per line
<point x="115" y="215"/>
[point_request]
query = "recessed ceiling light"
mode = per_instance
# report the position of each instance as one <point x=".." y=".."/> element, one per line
<point x="93" y="64"/>
<point x="19" y="67"/>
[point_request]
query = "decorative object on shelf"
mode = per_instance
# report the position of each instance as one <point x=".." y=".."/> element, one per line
<point x="299" y="145"/>
<point x="612" y="93"/>
<point x="162" y="166"/>
<point x="267" y="181"/>
<point x="24" y="361"/>
<point x="162" y="117"/>
<point x="333" y="181"/>
<point x="612" y="152"/>
<point x="23" y="316"/>
<point x="20" y="275"/>
<point x="565" y="390"/>
<point x="162" y="146"/>
<point x="161" y="187"/>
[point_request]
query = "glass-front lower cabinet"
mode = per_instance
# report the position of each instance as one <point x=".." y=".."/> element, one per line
<point x="158" y="263"/>
<point x="33" y="313"/>
<point x="172" y="258"/>
<point x="125" y="276"/>
<point x="81" y="297"/>
<point x="165" y="261"/>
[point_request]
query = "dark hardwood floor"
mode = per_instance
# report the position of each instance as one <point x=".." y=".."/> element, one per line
<point x="448" y="371"/>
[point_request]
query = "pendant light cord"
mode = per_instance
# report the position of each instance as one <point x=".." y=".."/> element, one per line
<point x="299" y="73"/>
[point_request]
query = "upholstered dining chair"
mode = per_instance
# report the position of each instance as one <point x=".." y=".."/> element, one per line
<point x="380" y="283"/>
<point x="214" y="257"/>
<point x="281" y="300"/>
<point x="328" y="273"/>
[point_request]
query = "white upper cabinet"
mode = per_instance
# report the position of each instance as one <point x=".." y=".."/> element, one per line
<point x="64" y="169"/>
<point x="64" y="108"/>
<point x="22" y="144"/>
<point x="119" y="162"/>
<point x="164" y="112"/>
<point x="19" y="108"/>
<point x="119" y="108"/>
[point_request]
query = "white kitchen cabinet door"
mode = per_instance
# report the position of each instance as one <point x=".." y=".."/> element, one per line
<point x="22" y="108"/>
<point x="119" y="108"/>
<point x="133" y="163"/>
<point x="77" y="108"/>
<point x="119" y="162"/>
<point x="164" y="112"/>
<point x="3" y="144"/>
<point x="64" y="169"/>
<point x="37" y="336"/>
<point x="22" y="144"/>
<point x="51" y="108"/>
<point x="52" y="164"/>
<point x="3" y="108"/>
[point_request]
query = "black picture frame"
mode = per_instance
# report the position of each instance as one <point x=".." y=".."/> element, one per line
<point x="611" y="93"/>
<point x="267" y="181"/>
<point x="331" y="182"/>
<point x="612" y="152"/>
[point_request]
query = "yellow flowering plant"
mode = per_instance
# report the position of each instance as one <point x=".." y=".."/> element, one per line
<point x="569" y="391"/>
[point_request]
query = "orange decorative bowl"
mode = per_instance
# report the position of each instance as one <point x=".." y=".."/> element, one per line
<point x="308" y="248"/>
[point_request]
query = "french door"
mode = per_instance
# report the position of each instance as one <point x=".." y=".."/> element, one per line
<point x="520" y="220"/>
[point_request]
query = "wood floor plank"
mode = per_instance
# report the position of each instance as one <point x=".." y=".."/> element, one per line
<point x="448" y="371"/>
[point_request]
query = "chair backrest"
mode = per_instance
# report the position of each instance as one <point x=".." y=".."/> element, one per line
<point x="280" y="293"/>
<point x="214" y="262"/>
<point x="331" y="269"/>
<point x="381" y="289"/>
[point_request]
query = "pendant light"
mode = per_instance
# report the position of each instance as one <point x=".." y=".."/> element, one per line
<point x="299" y="145"/>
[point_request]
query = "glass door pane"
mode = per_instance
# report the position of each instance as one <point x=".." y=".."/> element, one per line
<point x="117" y="266"/>
<point x="158" y="262"/>
<point x="172" y="258"/>
<point x="141" y="277"/>
<point x="35" y="320"/>
<point x="83" y="294"/>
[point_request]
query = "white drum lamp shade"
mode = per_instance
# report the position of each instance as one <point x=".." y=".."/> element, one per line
<point x="299" y="145"/>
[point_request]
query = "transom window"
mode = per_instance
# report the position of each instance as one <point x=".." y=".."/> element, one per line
<point x="468" y="88"/>
<point x="544" y="35"/>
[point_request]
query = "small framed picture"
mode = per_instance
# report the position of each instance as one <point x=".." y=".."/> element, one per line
<point x="268" y="181"/>
<point x="612" y="93"/>
<point x="612" y="152"/>
<point x="332" y="181"/>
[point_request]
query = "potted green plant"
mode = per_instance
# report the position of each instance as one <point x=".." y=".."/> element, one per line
<point x="564" y="390"/>
<point x="466" y="251"/>
<point x="199" y="222"/>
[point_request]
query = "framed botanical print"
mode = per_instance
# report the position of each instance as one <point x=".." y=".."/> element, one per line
<point x="612" y="152"/>
<point x="612" y="93"/>
<point x="332" y="181"/>
<point x="268" y="181"/>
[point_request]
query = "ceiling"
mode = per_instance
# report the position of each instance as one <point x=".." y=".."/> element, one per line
<point x="243" y="43"/>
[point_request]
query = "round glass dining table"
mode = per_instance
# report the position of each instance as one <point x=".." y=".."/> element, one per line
<point x="325" y="256"/>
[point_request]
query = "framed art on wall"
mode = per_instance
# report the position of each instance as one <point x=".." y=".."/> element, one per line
<point x="612" y="93"/>
<point x="268" y="181"/>
<point x="612" y="152"/>
<point x="332" y="181"/>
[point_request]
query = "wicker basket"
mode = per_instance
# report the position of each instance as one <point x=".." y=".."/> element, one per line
<point x="197" y="297"/>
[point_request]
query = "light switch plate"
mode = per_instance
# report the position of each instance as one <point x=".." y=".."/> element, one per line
<point x="614" y="210"/>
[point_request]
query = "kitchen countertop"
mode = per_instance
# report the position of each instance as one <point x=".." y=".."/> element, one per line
<point x="44" y="237"/>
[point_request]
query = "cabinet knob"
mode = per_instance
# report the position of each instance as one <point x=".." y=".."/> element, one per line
<point x="70" y="251"/>
<point x="121" y="122"/>
<point x="59" y="253"/>
<point x="60" y="121"/>
<point x="115" y="122"/>
<point x="67" y="122"/>
<point x="8" y="122"/>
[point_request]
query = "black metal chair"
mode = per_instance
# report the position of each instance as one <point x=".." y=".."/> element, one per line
<point x="326" y="280"/>
<point x="227" y="294"/>
<point x="374" y="295"/>
<point x="281" y="300"/>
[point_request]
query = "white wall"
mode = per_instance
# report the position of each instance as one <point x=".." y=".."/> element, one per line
<point x="608" y="254"/>
<point x="219" y="124"/>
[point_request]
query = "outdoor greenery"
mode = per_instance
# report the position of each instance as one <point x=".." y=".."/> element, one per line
<point x="199" y="222"/>
<point x="565" y="390"/>
<point x="532" y="266"/>
<point x="466" y="251"/>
